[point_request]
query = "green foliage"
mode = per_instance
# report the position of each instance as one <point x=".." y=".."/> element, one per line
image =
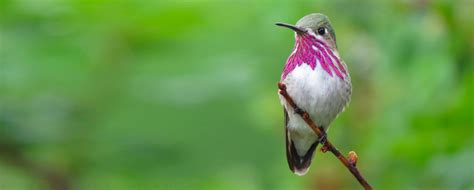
<point x="182" y="95"/>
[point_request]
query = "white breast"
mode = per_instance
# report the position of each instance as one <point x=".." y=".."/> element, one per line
<point x="321" y="95"/>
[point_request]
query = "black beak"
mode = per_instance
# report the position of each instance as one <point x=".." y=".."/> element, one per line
<point x="294" y="28"/>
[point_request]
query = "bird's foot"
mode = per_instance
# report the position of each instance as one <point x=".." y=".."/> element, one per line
<point x="322" y="140"/>
<point x="324" y="148"/>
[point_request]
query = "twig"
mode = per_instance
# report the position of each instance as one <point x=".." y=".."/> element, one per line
<point x="327" y="145"/>
<point x="56" y="179"/>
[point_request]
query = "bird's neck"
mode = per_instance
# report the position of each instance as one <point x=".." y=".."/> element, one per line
<point x="313" y="51"/>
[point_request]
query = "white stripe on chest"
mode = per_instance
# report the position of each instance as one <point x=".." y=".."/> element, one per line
<point x="316" y="92"/>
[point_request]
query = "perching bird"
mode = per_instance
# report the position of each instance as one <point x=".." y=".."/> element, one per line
<point x="318" y="81"/>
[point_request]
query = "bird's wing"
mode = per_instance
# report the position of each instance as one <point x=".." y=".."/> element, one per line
<point x="289" y="155"/>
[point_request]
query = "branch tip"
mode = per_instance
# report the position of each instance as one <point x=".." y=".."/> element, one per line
<point x="282" y="86"/>
<point x="352" y="157"/>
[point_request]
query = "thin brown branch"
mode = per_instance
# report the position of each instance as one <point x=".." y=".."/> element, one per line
<point x="327" y="145"/>
<point x="56" y="179"/>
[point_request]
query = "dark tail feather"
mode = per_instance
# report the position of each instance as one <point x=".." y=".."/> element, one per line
<point x="299" y="164"/>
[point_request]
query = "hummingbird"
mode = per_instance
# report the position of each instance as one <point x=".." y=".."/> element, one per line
<point x="318" y="81"/>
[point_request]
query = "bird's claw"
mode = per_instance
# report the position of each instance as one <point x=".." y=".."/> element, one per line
<point x="322" y="140"/>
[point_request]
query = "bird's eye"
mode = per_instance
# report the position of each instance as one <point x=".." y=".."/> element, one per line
<point x="321" y="31"/>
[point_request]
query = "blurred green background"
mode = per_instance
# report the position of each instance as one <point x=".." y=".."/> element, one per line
<point x="182" y="95"/>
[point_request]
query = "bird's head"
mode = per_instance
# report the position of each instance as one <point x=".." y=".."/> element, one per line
<point x="317" y="25"/>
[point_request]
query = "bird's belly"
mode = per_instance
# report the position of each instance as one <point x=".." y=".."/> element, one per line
<point x="315" y="91"/>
